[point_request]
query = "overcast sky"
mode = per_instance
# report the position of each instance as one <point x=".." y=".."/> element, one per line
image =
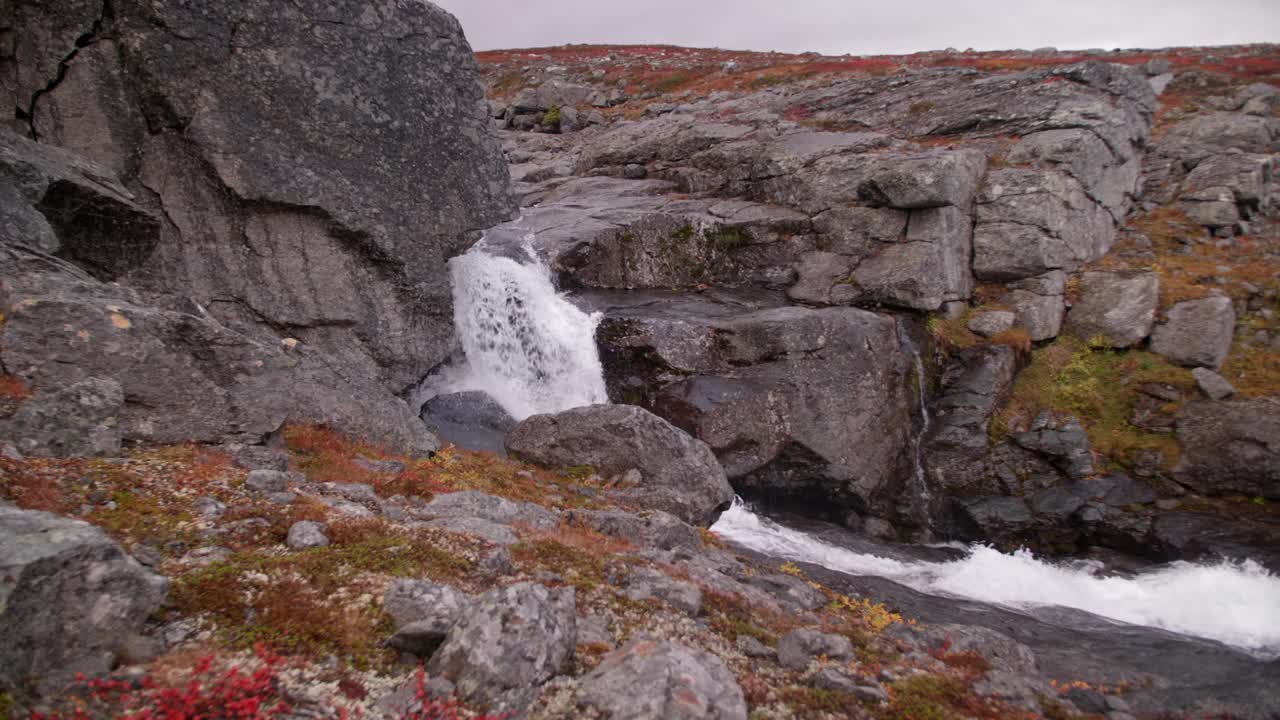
<point x="859" y="27"/>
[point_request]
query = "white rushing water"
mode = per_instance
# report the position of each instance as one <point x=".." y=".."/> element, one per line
<point x="525" y="344"/>
<point x="1237" y="603"/>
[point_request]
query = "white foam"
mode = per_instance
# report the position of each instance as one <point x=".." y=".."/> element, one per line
<point x="1237" y="603"/>
<point x="525" y="344"/>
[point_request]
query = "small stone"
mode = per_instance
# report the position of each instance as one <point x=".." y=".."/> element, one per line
<point x="830" y="678"/>
<point x="635" y="172"/>
<point x="496" y="562"/>
<point x="282" y="498"/>
<point x="988" y="324"/>
<point x="1213" y="385"/>
<point x="752" y="647"/>
<point x="269" y="481"/>
<point x="201" y="557"/>
<point x="1168" y="504"/>
<point x="307" y="534"/>
<point x="594" y="630"/>
<point x="147" y="555"/>
<point x="10" y="452"/>
<point x="209" y="507"/>
<point x="800" y="647"/>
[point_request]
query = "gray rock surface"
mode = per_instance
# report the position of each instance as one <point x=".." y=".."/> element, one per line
<point x="479" y="527"/>
<point x="509" y="640"/>
<point x="974" y="384"/>
<point x="1230" y="447"/>
<point x="79" y="420"/>
<point x="648" y="583"/>
<point x="1213" y="385"/>
<point x="650" y="678"/>
<point x="70" y="599"/>
<point x="679" y="474"/>
<point x="1121" y="309"/>
<point x="798" y="648"/>
<point x="992" y="322"/>
<point x="755" y="385"/>
<point x="306" y="534"/>
<point x="1197" y="332"/>
<point x="652" y="528"/>
<point x="472" y="504"/>
<point x="1039" y="304"/>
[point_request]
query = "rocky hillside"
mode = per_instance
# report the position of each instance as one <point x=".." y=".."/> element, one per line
<point x="1025" y="298"/>
<point x="1046" y="283"/>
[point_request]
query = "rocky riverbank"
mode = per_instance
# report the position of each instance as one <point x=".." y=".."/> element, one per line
<point x="1021" y="298"/>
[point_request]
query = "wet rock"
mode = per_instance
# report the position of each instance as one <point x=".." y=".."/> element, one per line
<point x="306" y="534"/>
<point x="70" y="598"/>
<point x="472" y="420"/>
<point x="661" y="679"/>
<point x="423" y="613"/>
<point x="653" y="528"/>
<point x="79" y="420"/>
<point x="754" y="384"/>
<point x="1231" y="446"/>
<point x="1061" y="441"/>
<point x="991" y="323"/>
<point x="471" y="504"/>
<point x="995" y="518"/>
<point x="680" y="474"/>
<point x="798" y="648"/>
<point x="510" y="640"/>
<point x="1119" y="308"/>
<point x="647" y="583"/>
<point x="974" y="384"/>
<point x="1197" y="332"/>
<point x="1213" y="385"/>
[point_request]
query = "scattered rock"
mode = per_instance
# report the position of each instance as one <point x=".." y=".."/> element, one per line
<point x="647" y="583"/>
<point x="509" y="640"/>
<point x="662" y="679"/>
<point x="272" y="481"/>
<point x="798" y="648"/>
<point x="752" y="647"/>
<point x="1213" y="385"/>
<point x="471" y="504"/>
<point x="651" y="528"/>
<point x="479" y="527"/>
<point x="306" y="534"/>
<point x="423" y="612"/>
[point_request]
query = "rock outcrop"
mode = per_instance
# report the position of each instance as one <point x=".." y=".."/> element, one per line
<point x="70" y="599"/>
<point x="247" y="177"/>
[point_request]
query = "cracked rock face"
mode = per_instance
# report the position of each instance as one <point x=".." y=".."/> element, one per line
<point x="257" y="133"/>
<point x="70" y="598"/>
<point x="650" y="678"/>
<point x="511" y="640"/>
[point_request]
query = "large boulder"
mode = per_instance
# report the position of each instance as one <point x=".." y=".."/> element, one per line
<point x="255" y="131"/>
<point x="1197" y="333"/>
<point x="1231" y="447"/>
<point x="509" y="642"/>
<point x="808" y="405"/>
<point x="1118" y="308"/>
<point x="678" y="474"/>
<point x="650" y="678"/>
<point x="70" y="599"/>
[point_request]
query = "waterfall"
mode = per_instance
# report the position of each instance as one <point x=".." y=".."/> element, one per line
<point x="1234" y="602"/>
<point x="919" y="496"/>
<point x="524" y="344"/>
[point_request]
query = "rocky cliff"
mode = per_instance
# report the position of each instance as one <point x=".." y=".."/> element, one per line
<point x="243" y="177"/>
<point x="1006" y="297"/>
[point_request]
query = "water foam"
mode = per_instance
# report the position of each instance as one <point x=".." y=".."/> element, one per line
<point x="1237" y="603"/>
<point x="525" y="344"/>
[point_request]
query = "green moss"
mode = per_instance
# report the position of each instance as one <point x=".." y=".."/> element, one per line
<point x="8" y="706"/>
<point x="727" y="238"/>
<point x="553" y="117"/>
<point x="926" y="697"/>
<point x="1100" y="387"/>
<point x="683" y="233"/>
<point x="809" y="702"/>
